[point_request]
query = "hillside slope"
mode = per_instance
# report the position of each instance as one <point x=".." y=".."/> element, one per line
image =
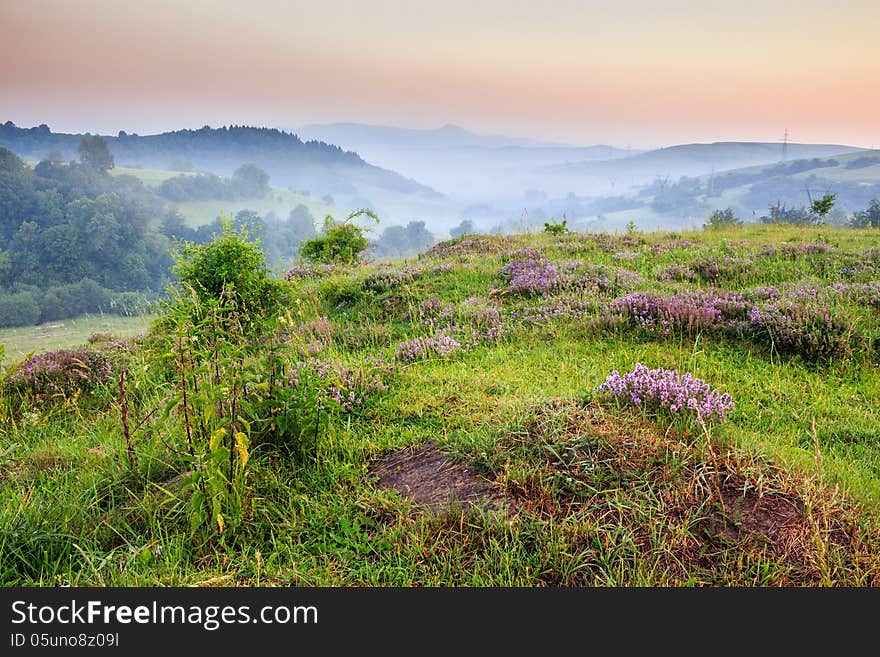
<point x="317" y="166"/>
<point x="539" y="410"/>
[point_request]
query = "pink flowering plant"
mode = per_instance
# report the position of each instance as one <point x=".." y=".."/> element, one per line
<point x="61" y="373"/>
<point x="662" y="389"/>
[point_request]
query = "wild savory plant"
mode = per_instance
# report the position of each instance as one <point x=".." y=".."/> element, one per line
<point x="680" y="394"/>
<point x="418" y="348"/>
<point x="807" y="329"/>
<point x="61" y="373"/>
<point x="385" y="280"/>
<point x="686" y="312"/>
<point x="530" y="275"/>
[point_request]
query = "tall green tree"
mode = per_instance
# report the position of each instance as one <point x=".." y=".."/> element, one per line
<point x="95" y="154"/>
<point x="250" y="181"/>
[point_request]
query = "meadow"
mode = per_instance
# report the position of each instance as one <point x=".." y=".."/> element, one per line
<point x="631" y="409"/>
<point x="62" y="334"/>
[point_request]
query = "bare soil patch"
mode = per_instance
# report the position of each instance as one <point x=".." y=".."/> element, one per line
<point x="435" y="482"/>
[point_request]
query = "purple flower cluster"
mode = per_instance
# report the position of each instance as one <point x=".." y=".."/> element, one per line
<point x="109" y="341"/>
<point x="795" y="251"/>
<point x="412" y="350"/>
<point x="864" y="293"/>
<point x="562" y="309"/>
<point x="714" y="269"/>
<point x="532" y="275"/>
<point x="851" y="272"/>
<point x="467" y="246"/>
<point x="676" y="272"/>
<point x="687" y="312"/>
<point x="61" y="372"/>
<point x="809" y="330"/>
<point x="434" y="312"/>
<point x="605" y="242"/>
<point x="388" y="279"/>
<point x="668" y="389"/>
<point x="348" y="389"/>
<point x="485" y="322"/>
<point x="672" y="245"/>
<point x="441" y="269"/>
<point x="307" y="271"/>
<point x="764" y="293"/>
<point x="625" y="255"/>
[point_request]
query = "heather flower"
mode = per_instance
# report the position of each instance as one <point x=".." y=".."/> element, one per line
<point x="559" y="309"/>
<point x="434" y="312"/>
<point x="463" y="247"/>
<point x="672" y="245"/>
<point x="308" y="270"/>
<point x="864" y="293"/>
<point x="343" y="387"/>
<point x="714" y="270"/>
<point x="668" y="389"/>
<point x="533" y="275"/>
<point x="686" y="312"/>
<point x="388" y="279"/>
<point x="676" y="272"/>
<point x="809" y="330"/>
<point x="795" y="251"/>
<point x="412" y="350"/>
<point x="62" y="372"/>
<point x="485" y="322"/>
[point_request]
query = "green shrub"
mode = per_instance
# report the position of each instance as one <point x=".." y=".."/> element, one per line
<point x="555" y="228"/>
<point x="73" y="299"/>
<point x="230" y="270"/>
<point x="341" y="242"/>
<point x="18" y="310"/>
<point x="722" y="219"/>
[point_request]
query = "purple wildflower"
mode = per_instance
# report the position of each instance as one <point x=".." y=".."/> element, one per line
<point x="662" y="388"/>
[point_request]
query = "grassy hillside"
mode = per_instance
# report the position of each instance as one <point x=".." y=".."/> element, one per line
<point x="473" y="373"/>
<point x="280" y="201"/>
<point x="64" y="334"/>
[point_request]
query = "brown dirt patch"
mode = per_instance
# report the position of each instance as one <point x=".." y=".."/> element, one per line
<point x="434" y="482"/>
<point x="778" y="516"/>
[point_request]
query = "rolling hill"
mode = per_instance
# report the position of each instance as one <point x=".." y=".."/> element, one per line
<point x="462" y="164"/>
<point x="506" y="411"/>
<point x="318" y="167"/>
<point x="694" y="160"/>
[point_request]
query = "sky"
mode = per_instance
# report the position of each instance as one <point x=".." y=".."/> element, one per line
<point x="627" y="73"/>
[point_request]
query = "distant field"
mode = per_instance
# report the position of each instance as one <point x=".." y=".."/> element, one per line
<point x="67" y="333"/>
<point x="150" y="177"/>
<point x="280" y="201"/>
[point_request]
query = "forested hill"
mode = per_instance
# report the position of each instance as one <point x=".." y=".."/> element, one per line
<point x="312" y="165"/>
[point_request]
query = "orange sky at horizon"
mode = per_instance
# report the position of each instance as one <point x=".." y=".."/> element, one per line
<point x="639" y="73"/>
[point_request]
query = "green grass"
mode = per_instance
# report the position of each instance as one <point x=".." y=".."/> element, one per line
<point x="67" y="333"/>
<point x="280" y="201"/>
<point x="602" y="495"/>
<point x="150" y="177"/>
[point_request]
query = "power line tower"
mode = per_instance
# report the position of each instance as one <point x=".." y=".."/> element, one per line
<point x="785" y="145"/>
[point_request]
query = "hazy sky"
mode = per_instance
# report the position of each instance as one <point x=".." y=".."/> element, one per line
<point x="621" y="72"/>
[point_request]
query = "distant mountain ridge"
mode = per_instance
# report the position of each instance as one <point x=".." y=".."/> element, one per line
<point x="315" y="165"/>
<point x="697" y="159"/>
<point x="456" y="161"/>
<point x="446" y="136"/>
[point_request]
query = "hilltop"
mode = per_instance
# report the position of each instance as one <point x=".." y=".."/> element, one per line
<point x="316" y="166"/>
<point x="698" y="159"/>
<point x="568" y="410"/>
